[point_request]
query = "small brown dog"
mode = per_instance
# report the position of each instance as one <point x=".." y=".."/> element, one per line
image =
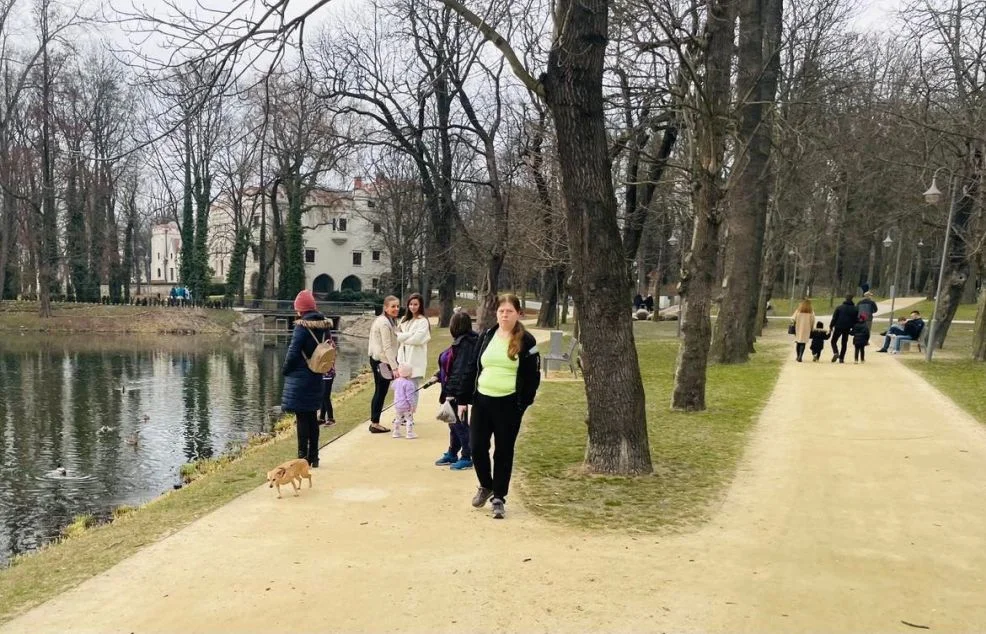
<point x="290" y="471"/>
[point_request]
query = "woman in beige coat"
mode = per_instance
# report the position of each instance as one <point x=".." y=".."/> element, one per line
<point x="804" y="321"/>
<point x="383" y="358"/>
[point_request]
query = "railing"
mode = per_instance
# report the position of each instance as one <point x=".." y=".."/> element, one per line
<point x="286" y="306"/>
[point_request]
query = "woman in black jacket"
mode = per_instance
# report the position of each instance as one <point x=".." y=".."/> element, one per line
<point x="302" y="392"/>
<point x="457" y="375"/>
<point x="508" y="373"/>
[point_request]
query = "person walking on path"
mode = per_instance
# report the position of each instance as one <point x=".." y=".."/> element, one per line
<point x="457" y="376"/>
<point x="326" y="416"/>
<point x="302" y="392"/>
<point x="413" y="335"/>
<point x="804" y="318"/>
<point x="383" y="358"/>
<point x="860" y="339"/>
<point x="508" y="373"/>
<point x="843" y="320"/>
<point x="867" y="308"/>
<point x="818" y="338"/>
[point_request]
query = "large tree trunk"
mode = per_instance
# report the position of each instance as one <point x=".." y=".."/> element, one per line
<point x="957" y="267"/>
<point x="486" y="311"/>
<point x="186" y="268"/>
<point x="617" y="424"/>
<point x="756" y="83"/>
<point x="48" y="253"/>
<point x="701" y="263"/>
<point x="979" y="334"/>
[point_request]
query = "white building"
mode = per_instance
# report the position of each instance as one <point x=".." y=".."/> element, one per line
<point x="343" y="246"/>
<point x="165" y="253"/>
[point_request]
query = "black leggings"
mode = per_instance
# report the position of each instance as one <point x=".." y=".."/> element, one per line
<point x="499" y="418"/>
<point x="307" y="424"/>
<point x="860" y="353"/>
<point x="380" y="387"/>
<point x="799" y="351"/>
<point x="327" y="399"/>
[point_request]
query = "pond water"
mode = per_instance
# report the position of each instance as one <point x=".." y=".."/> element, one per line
<point x="76" y="401"/>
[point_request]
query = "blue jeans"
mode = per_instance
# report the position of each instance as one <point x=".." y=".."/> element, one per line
<point x="458" y="435"/>
<point x="894" y="330"/>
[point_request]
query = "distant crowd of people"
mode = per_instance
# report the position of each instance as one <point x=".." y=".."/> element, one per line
<point x="849" y="320"/>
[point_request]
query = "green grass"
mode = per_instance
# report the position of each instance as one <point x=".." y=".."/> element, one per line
<point x="694" y="455"/>
<point x="72" y="317"/>
<point x="965" y="312"/>
<point x="962" y="380"/>
<point x="34" y="578"/>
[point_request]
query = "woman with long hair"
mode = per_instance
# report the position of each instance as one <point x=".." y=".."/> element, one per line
<point x="804" y="320"/>
<point x="413" y="335"/>
<point x="383" y="358"/>
<point x="508" y="373"/>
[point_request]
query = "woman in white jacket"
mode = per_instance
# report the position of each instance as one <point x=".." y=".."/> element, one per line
<point x="413" y="335"/>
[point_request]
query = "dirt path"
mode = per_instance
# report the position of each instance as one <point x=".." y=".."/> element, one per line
<point x="860" y="504"/>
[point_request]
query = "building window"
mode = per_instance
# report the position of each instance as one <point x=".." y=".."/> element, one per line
<point x="159" y="259"/>
<point x="377" y="228"/>
<point x="375" y="282"/>
<point x="221" y="268"/>
<point x="341" y="224"/>
<point x="371" y="204"/>
<point x="309" y="256"/>
<point x="376" y="256"/>
<point x="159" y="272"/>
<point x="357" y="258"/>
<point x="171" y="274"/>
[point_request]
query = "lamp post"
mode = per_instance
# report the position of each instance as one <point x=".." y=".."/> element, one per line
<point x="887" y="243"/>
<point x="794" y="274"/>
<point x="933" y="196"/>
<point x="673" y="242"/>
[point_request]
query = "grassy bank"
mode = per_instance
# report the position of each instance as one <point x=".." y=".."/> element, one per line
<point x="37" y="577"/>
<point x="71" y="317"/>
<point x="694" y="455"/>
<point x="963" y="381"/>
<point x="965" y="312"/>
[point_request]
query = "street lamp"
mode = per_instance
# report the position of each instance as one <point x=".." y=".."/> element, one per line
<point x="887" y="243"/>
<point x="933" y="196"/>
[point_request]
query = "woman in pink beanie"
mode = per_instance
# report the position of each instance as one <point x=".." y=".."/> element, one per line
<point x="302" y="392"/>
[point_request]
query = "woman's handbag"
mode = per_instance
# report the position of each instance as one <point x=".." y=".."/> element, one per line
<point x="790" y="329"/>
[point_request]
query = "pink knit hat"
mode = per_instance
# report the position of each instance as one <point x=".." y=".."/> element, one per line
<point x="304" y="302"/>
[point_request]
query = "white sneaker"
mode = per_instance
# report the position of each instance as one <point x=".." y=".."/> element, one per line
<point x="397" y="432"/>
<point x="411" y="435"/>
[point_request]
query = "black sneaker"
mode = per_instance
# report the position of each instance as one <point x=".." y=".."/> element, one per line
<point x="882" y="350"/>
<point x="482" y="494"/>
<point x="883" y="334"/>
<point x="498" y="509"/>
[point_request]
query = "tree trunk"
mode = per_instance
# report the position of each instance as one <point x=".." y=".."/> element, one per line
<point x="700" y="264"/>
<point x="617" y="424"/>
<point x="759" y="26"/>
<point x="186" y="267"/>
<point x="957" y="267"/>
<point x="979" y="334"/>
<point x="486" y="311"/>
<point x="48" y="253"/>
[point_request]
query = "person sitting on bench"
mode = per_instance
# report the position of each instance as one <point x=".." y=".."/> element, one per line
<point x="909" y="330"/>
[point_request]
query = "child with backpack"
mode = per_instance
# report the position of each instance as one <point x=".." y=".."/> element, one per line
<point x="818" y="338"/>
<point x="860" y="339"/>
<point x="457" y="375"/>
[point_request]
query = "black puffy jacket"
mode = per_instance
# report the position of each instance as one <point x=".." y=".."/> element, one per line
<point x="459" y="384"/>
<point x="845" y="316"/>
<point x="528" y="370"/>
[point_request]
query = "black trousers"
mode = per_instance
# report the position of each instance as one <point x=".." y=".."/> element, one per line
<point x="380" y="387"/>
<point x="799" y="350"/>
<point x="840" y="333"/>
<point x="307" y="424"/>
<point x="497" y="418"/>
<point x="327" y="399"/>
<point x="860" y="353"/>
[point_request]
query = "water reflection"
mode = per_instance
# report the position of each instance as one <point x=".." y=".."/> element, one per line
<point x="121" y="414"/>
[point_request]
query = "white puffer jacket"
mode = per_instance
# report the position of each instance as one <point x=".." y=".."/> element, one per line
<point x="413" y="337"/>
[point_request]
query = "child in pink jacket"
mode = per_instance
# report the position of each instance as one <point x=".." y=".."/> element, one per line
<point x="404" y="390"/>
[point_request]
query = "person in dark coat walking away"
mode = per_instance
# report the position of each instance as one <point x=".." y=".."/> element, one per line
<point x="638" y="302"/>
<point x="818" y="338"/>
<point x="302" y="392"/>
<point x="843" y="320"/>
<point x="508" y="373"/>
<point x="649" y="303"/>
<point x="457" y="376"/>
<point x="860" y="339"/>
<point x="867" y="308"/>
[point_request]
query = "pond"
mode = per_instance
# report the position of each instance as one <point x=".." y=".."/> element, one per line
<point x="76" y="401"/>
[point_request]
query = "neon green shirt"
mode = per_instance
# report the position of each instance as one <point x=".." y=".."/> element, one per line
<point x="499" y="375"/>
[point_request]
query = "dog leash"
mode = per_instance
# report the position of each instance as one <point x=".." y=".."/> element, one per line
<point x="423" y="386"/>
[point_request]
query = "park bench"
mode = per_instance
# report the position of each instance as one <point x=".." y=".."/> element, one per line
<point x="555" y="354"/>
